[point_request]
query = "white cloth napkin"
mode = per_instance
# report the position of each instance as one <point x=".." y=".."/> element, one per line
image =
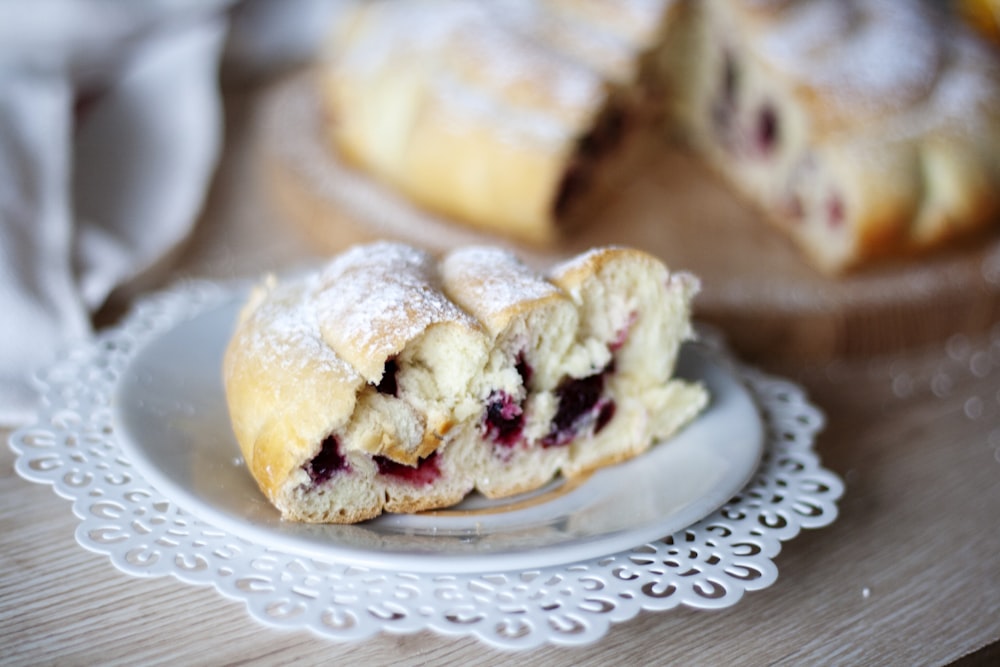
<point x="110" y="129"/>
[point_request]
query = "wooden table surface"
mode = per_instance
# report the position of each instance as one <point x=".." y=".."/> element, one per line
<point x="909" y="574"/>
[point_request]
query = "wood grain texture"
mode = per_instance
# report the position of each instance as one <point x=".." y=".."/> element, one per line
<point x="908" y="575"/>
<point x="755" y="283"/>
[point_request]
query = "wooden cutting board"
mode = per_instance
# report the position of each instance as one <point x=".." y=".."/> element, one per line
<point x="767" y="300"/>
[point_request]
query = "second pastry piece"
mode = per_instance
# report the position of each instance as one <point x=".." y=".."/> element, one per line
<point x="515" y="118"/>
<point x="862" y="129"/>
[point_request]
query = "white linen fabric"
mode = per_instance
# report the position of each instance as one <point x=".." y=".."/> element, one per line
<point x="110" y="129"/>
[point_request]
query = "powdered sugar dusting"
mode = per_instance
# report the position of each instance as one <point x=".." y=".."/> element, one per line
<point x="369" y="42"/>
<point x="471" y="106"/>
<point x="963" y="101"/>
<point x="530" y="74"/>
<point x="284" y="332"/>
<point x="374" y="299"/>
<point x="634" y="21"/>
<point x="871" y="53"/>
<point x="972" y="83"/>
<point x="605" y="36"/>
<point x="591" y="44"/>
<point x="494" y="279"/>
<point x="645" y="12"/>
<point x="499" y="75"/>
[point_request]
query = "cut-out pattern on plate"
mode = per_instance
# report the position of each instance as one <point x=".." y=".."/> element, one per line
<point x="708" y="565"/>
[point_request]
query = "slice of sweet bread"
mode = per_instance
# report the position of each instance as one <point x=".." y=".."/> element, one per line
<point x="516" y="117"/>
<point x="390" y="381"/>
<point x="861" y="128"/>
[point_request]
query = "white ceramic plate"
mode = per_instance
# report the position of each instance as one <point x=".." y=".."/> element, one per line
<point x="170" y="414"/>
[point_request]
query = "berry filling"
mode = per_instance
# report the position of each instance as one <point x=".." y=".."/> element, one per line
<point x="328" y="462"/>
<point x="579" y="405"/>
<point x="387" y="385"/>
<point x="426" y="471"/>
<point x="766" y="133"/>
<point x="504" y="419"/>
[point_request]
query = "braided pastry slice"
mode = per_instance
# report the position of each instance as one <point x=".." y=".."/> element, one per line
<point x="390" y="381"/>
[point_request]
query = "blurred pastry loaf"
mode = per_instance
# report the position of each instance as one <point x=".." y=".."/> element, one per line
<point x="860" y="128"/>
<point x="514" y="117"/>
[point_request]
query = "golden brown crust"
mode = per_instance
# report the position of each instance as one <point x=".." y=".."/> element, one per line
<point x="278" y="419"/>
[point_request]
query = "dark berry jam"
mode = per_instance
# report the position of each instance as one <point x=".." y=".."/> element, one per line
<point x="426" y="471"/>
<point x="577" y="399"/>
<point x="328" y="462"/>
<point x="767" y="130"/>
<point x="504" y="419"/>
<point x="387" y="385"/>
